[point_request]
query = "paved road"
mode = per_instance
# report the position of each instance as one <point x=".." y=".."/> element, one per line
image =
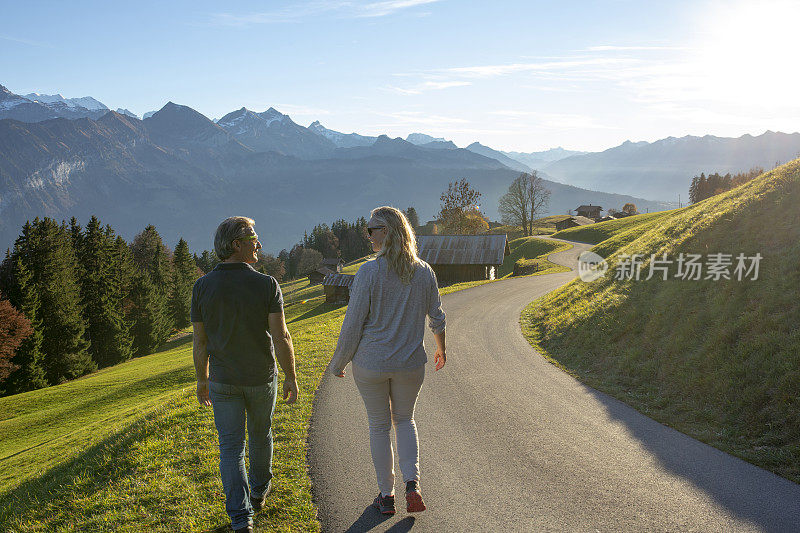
<point x="510" y="443"/>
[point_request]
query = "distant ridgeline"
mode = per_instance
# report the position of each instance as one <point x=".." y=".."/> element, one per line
<point x="91" y="299"/>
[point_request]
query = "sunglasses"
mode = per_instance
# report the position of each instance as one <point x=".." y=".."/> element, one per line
<point x="248" y="238"/>
<point x="370" y="230"/>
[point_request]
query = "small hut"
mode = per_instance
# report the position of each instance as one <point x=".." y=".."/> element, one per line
<point x="589" y="211"/>
<point x="572" y="222"/>
<point x="335" y="264"/>
<point x="457" y="258"/>
<point x="318" y="275"/>
<point x="337" y="287"/>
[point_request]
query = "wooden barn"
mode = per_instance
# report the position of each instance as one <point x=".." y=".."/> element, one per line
<point x="318" y="275"/>
<point x="457" y="258"/>
<point x="589" y="211"/>
<point x="333" y="263"/>
<point x="337" y="287"/>
<point x="572" y="222"/>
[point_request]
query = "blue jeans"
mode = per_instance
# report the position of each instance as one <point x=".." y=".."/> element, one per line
<point x="233" y="404"/>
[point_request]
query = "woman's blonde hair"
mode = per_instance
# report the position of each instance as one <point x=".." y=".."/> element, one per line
<point x="400" y="245"/>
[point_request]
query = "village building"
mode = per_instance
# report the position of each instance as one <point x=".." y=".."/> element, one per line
<point x="606" y="218"/>
<point x="318" y="275"/>
<point x="456" y="258"/>
<point x="337" y="287"/>
<point x="335" y="264"/>
<point x="589" y="211"/>
<point x="572" y="222"/>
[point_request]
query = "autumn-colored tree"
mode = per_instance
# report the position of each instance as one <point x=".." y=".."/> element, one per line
<point x="310" y="260"/>
<point x="459" y="203"/>
<point x="14" y="329"/>
<point x="630" y="209"/>
<point x="270" y="265"/>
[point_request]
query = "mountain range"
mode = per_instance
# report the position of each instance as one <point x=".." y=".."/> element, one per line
<point x="183" y="172"/>
<point x="663" y="169"/>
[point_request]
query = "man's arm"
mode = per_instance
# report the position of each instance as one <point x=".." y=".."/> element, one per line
<point x="284" y="353"/>
<point x="200" y="356"/>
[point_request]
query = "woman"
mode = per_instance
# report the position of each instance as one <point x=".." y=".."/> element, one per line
<point x="382" y="336"/>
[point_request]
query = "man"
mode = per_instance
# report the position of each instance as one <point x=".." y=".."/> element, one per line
<point x="237" y="316"/>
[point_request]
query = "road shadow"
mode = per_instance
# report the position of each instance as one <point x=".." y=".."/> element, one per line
<point x="744" y="490"/>
<point x="369" y="519"/>
<point x="403" y="525"/>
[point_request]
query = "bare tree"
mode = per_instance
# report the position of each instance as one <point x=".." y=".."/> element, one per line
<point x="526" y="198"/>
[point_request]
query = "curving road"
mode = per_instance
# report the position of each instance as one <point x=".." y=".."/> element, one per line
<point x="508" y="442"/>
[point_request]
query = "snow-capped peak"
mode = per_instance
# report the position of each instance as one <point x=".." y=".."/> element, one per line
<point x="86" y="102"/>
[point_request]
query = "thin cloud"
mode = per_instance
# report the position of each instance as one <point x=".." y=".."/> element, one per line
<point x="427" y="86"/>
<point x="491" y="71"/>
<point x="612" y="48"/>
<point x="298" y="12"/>
<point x="559" y="121"/>
<point x="25" y="41"/>
<point x="380" y="9"/>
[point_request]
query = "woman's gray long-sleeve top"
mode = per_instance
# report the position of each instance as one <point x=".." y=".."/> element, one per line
<point x="385" y="320"/>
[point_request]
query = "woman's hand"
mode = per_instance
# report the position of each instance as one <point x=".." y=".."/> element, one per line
<point x="340" y="374"/>
<point x="440" y="359"/>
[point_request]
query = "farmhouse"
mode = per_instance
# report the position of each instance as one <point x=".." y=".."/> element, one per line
<point x="335" y="264"/>
<point x="318" y="275"/>
<point x="337" y="287"/>
<point x="589" y="211"/>
<point x="457" y="258"/>
<point x="572" y="222"/>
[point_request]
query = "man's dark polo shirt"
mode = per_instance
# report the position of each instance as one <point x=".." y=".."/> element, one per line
<point x="233" y="302"/>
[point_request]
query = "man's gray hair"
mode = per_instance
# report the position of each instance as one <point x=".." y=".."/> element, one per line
<point x="229" y="230"/>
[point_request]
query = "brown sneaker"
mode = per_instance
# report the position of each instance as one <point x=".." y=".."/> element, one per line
<point x="414" y="503"/>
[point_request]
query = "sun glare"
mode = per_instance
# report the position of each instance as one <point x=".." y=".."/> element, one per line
<point x="749" y="55"/>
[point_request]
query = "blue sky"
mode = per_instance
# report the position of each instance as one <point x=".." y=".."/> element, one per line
<point x="515" y="75"/>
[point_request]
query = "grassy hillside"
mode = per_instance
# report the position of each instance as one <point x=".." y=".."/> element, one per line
<point x="718" y="360"/>
<point x="534" y="251"/>
<point x="129" y="449"/>
<point x="596" y="233"/>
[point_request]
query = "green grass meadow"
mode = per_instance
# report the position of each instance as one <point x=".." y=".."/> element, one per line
<point x="717" y="360"/>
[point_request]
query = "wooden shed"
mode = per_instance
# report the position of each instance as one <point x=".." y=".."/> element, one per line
<point x="457" y="258"/>
<point x="318" y="275"/>
<point x="589" y="211"/>
<point x="572" y="222"/>
<point x="335" y="264"/>
<point x="337" y="287"/>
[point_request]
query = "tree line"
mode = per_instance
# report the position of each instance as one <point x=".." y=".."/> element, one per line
<point x="73" y="300"/>
<point x="703" y="186"/>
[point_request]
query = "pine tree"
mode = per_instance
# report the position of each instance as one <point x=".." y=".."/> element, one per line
<point x="152" y="321"/>
<point x="184" y="275"/>
<point x="106" y="329"/>
<point x="53" y="265"/>
<point x="151" y="324"/>
<point x="124" y="272"/>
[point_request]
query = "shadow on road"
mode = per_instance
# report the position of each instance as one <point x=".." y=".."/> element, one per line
<point x="746" y="491"/>
<point x="371" y="518"/>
